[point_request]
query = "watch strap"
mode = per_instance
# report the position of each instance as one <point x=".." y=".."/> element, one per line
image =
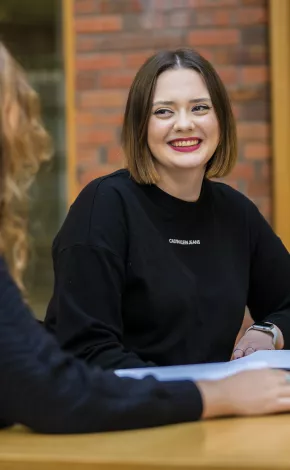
<point x="272" y="330"/>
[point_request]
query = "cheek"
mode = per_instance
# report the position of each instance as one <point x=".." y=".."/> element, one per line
<point x="212" y="129"/>
<point x="157" y="131"/>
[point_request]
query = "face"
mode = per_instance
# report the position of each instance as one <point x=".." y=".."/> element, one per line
<point x="183" y="130"/>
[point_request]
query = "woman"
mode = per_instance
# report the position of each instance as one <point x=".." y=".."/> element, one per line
<point x="155" y="264"/>
<point x="49" y="390"/>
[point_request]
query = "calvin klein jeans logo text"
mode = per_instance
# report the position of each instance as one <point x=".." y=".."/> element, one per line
<point x="184" y="242"/>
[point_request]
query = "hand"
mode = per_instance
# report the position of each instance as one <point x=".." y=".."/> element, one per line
<point x="255" y="392"/>
<point x="254" y="340"/>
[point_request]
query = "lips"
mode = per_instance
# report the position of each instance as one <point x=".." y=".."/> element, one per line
<point x="187" y="145"/>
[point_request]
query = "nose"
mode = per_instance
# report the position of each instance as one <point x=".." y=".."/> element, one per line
<point x="184" y="122"/>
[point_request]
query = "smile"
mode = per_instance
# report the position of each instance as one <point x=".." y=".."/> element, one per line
<point x="184" y="143"/>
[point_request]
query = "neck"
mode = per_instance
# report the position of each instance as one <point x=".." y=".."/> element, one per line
<point x="182" y="184"/>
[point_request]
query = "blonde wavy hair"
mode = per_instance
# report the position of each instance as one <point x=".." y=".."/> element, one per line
<point x="24" y="144"/>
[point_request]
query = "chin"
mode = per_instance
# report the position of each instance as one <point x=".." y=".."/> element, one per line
<point x="189" y="164"/>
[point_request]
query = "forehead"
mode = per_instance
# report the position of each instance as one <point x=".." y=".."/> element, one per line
<point x="176" y="84"/>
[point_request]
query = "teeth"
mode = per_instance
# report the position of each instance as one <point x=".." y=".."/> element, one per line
<point x="185" y="143"/>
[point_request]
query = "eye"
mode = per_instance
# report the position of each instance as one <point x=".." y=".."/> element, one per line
<point x="163" y="112"/>
<point x="201" y="109"/>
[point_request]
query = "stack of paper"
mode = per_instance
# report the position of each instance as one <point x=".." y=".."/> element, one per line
<point x="213" y="371"/>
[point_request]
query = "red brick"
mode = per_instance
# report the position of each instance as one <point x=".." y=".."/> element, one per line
<point x="213" y="37"/>
<point x="102" y="99"/>
<point x="179" y="19"/>
<point x="115" y="155"/>
<point x="138" y="59"/>
<point x="261" y="3"/>
<point x="222" y="17"/>
<point x="152" y="20"/>
<point x="115" y="42"/>
<point x="98" y="24"/>
<point x="86" y="80"/>
<point x="257" y="151"/>
<point x="138" y="41"/>
<point x="120" y="6"/>
<point x="255" y="75"/>
<point x="84" y="6"/>
<point x="179" y="4"/>
<point x="87" y="154"/>
<point x="85" y="118"/>
<point x="229" y="75"/>
<point x="254" y="111"/>
<point x="242" y="170"/>
<point x="258" y="188"/>
<point x="99" y="62"/>
<point x="213" y="3"/>
<point x="206" y="52"/>
<point x="162" y="5"/>
<point x="253" y="130"/>
<point x="236" y="110"/>
<point x="248" y="93"/>
<point x="97" y="136"/>
<point x="89" y="172"/>
<point x="248" y="16"/>
<point x="116" y="80"/>
<point x="213" y="17"/>
<point x="266" y="171"/>
<point x="92" y="119"/>
<point x="85" y="44"/>
<point x="241" y="55"/>
<point x="115" y="118"/>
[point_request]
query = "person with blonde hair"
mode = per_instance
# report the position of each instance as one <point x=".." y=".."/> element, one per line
<point x="47" y="389"/>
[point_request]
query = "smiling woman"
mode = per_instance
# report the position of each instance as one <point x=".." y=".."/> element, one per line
<point x="184" y="87"/>
<point x="181" y="126"/>
<point x="156" y="263"/>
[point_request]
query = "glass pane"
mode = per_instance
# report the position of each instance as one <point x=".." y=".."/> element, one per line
<point x="32" y="30"/>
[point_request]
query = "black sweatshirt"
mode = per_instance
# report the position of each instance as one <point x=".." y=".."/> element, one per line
<point x="144" y="278"/>
<point x="52" y="392"/>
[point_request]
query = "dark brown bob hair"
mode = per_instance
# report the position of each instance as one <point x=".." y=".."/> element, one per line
<point x="139" y="159"/>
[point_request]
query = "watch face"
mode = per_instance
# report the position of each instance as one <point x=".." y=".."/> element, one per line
<point x="264" y="324"/>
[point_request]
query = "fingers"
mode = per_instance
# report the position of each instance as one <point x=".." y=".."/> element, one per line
<point x="249" y="351"/>
<point x="283" y="404"/>
<point x="238" y="353"/>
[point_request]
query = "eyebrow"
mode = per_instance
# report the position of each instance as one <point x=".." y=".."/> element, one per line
<point x="196" y="100"/>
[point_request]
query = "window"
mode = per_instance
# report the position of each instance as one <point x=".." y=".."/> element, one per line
<point x="32" y="30"/>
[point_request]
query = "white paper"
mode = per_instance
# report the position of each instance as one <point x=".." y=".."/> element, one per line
<point x="212" y="371"/>
<point x="274" y="359"/>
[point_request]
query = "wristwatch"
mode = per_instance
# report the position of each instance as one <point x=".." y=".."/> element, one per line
<point x="267" y="327"/>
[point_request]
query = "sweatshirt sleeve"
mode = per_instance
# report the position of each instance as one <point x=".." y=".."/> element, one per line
<point x="269" y="285"/>
<point x="90" y="262"/>
<point x="52" y="392"/>
<point x="87" y="307"/>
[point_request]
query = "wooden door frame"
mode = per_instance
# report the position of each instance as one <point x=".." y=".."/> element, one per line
<point x="279" y="35"/>
<point x="70" y="97"/>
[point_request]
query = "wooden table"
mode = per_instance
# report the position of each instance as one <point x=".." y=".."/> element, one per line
<point x="246" y="443"/>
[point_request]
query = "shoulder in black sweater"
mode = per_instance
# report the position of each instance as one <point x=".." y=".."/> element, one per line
<point x="143" y="278"/>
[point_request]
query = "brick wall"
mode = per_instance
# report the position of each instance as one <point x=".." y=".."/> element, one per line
<point x="114" y="37"/>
